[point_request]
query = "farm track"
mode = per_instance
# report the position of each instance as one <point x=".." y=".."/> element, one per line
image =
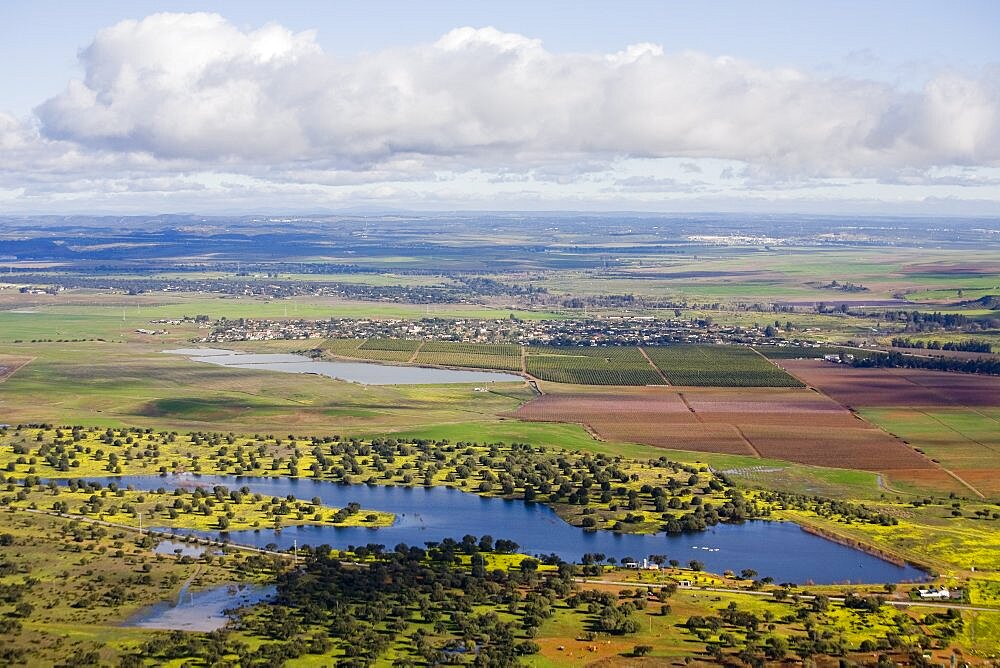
<point x="749" y="443"/>
<point x="680" y="395"/>
<point x="964" y="482"/>
<point x="10" y="368"/>
<point x="416" y="352"/>
<point x="655" y="368"/>
<point x="952" y="429"/>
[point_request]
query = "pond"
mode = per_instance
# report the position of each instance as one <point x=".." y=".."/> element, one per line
<point x="781" y="550"/>
<point x="179" y="548"/>
<point x="368" y="373"/>
<point x="201" y="610"/>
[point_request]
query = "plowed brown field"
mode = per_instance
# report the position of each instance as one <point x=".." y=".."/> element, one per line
<point x="896" y="387"/>
<point x="952" y="417"/>
<point x="797" y="425"/>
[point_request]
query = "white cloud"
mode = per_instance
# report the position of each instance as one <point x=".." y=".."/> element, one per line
<point x="190" y="103"/>
<point x="193" y="86"/>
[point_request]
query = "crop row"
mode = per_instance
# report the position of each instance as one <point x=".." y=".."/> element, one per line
<point x="497" y="362"/>
<point x="399" y="345"/>
<point x="588" y="366"/>
<point x="494" y="349"/>
<point x="718" y="366"/>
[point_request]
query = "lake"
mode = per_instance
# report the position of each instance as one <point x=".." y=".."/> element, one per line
<point x="367" y="373"/>
<point x="781" y="550"/>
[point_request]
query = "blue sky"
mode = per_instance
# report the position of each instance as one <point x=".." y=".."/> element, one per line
<point x="762" y="106"/>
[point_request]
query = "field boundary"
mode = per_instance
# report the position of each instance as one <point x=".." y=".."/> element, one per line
<point x="749" y="443"/>
<point x="15" y="366"/>
<point x="655" y="368"/>
<point x="904" y="443"/>
<point x="680" y="395"/>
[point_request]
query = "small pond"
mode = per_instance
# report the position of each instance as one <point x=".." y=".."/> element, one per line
<point x="200" y="611"/>
<point x="368" y="373"/>
<point x="179" y="548"/>
<point x="781" y="550"/>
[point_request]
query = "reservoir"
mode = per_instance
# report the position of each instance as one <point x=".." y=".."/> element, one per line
<point x="367" y="373"/>
<point x="781" y="550"/>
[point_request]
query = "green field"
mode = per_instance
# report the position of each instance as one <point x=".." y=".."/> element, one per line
<point x="501" y="357"/>
<point x="591" y="366"/>
<point x="963" y="440"/>
<point x="717" y="366"/>
<point x="117" y="384"/>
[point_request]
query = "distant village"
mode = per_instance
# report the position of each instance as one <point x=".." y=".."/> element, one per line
<point x="621" y="330"/>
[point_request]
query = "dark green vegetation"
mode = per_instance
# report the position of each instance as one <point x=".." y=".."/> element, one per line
<point x="593" y="491"/>
<point x="894" y="360"/>
<point x="421" y="603"/>
<point x="591" y="366"/>
<point x="718" y="366"/>
<point x="969" y="346"/>
<point x="500" y="356"/>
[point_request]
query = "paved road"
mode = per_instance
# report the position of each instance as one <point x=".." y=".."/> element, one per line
<point x="750" y="592"/>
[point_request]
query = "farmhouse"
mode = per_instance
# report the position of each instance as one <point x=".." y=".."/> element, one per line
<point x="934" y="594"/>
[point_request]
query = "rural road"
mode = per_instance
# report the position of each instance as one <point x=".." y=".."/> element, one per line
<point x="166" y="535"/>
<point x="748" y="592"/>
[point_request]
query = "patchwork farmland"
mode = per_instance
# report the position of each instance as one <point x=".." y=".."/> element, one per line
<point x="954" y="419"/>
<point x="796" y="425"/>
<point x="688" y="365"/>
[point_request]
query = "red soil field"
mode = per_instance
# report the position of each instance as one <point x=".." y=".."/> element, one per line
<point x="986" y="480"/>
<point x="864" y="448"/>
<point x="935" y="479"/>
<point x="796" y="425"/>
<point x="896" y="387"/>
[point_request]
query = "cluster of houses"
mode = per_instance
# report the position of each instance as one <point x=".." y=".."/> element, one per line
<point x="597" y="331"/>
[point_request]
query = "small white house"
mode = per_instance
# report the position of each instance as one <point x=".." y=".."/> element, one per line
<point x="934" y="594"/>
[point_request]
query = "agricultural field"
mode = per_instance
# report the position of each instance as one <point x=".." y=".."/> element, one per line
<point x="499" y="357"/>
<point x="795" y="425"/>
<point x="116" y="384"/>
<point x="953" y="419"/>
<point x="717" y="366"/>
<point x="591" y="366"/>
<point x="387" y="350"/>
<point x="693" y="365"/>
<point x="900" y="462"/>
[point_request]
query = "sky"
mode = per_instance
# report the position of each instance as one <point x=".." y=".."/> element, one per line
<point x="850" y="107"/>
